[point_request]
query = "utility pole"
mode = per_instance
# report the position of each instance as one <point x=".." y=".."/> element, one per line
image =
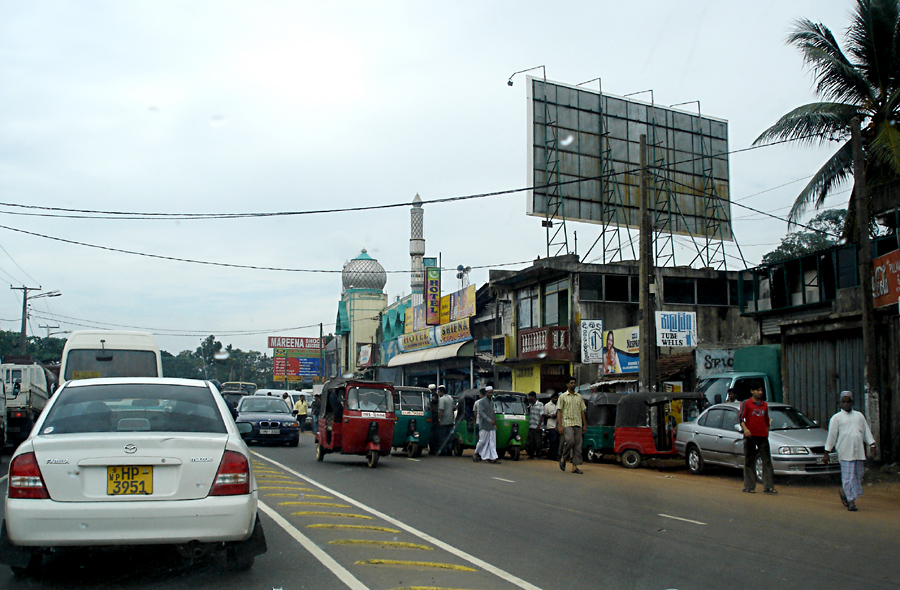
<point x="872" y="377"/>
<point x="646" y="321"/>
<point x="48" y="328"/>
<point x="24" y="291"/>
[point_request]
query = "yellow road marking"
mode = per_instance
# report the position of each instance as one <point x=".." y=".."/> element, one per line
<point x="392" y="544"/>
<point x="339" y="514"/>
<point x="319" y="497"/>
<point x="271" y="495"/>
<point x="332" y="504"/>
<point x="444" y="566"/>
<point x="284" y="488"/>
<point x="381" y="529"/>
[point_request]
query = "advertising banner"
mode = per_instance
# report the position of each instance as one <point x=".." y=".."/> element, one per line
<point x="462" y="303"/>
<point x="886" y="279"/>
<point x="294" y="364"/>
<point x="591" y="341"/>
<point x="432" y="296"/>
<point x="676" y="328"/>
<point x="415" y="319"/>
<point x="364" y="355"/>
<point x="622" y="351"/>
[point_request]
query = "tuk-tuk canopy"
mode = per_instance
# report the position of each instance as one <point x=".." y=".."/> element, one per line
<point x="601" y="408"/>
<point x="631" y="409"/>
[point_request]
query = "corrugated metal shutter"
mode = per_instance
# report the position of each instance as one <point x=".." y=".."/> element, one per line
<point x="816" y="371"/>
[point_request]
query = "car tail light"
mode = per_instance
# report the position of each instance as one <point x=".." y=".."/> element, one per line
<point x="233" y="477"/>
<point x="25" y="479"/>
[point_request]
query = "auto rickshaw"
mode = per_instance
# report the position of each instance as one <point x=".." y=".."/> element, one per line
<point x="646" y="423"/>
<point x="599" y="434"/>
<point x="512" y="422"/>
<point x="356" y="417"/>
<point x="412" y="419"/>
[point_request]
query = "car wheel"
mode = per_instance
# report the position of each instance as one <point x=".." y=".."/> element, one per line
<point x="694" y="461"/>
<point x="33" y="568"/>
<point x="631" y="459"/>
<point x="412" y="450"/>
<point x="514" y="454"/>
<point x="758" y="468"/>
<point x="237" y="563"/>
<point x="320" y="452"/>
<point x="372" y="459"/>
<point x="457" y="448"/>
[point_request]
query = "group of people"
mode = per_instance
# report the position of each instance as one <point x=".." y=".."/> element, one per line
<point x="848" y="433"/>
<point x="563" y="417"/>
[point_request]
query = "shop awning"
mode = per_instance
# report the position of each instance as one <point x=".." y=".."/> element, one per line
<point x="458" y="349"/>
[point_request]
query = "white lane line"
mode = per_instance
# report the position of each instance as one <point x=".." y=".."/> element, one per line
<point x="337" y="569"/>
<point x="2" y="479"/>
<point x="501" y="479"/>
<point x="424" y="536"/>
<point x="411" y="459"/>
<point x="683" y="519"/>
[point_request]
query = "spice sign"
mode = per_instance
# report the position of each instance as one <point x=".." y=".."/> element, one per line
<point x="433" y="296"/>
<point x="676" y="328"/>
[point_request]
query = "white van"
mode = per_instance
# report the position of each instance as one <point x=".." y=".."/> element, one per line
<point x="110" y="353"/>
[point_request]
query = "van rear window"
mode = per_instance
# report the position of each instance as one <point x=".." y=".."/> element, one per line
<point x="86" y="363"/>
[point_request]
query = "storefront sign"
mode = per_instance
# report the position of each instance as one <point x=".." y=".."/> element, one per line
<point x="714" y="360"/>
<point x="886" y="279"/>
<point x="591" y="341"/>
<point x="676" y="328"/>
<point x="454" y="332"/>
<point x="293" y="342"/>
<point x="417" y="340"/>
<point x="433" y="296"/>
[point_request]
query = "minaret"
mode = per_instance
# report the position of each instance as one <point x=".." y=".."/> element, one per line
<point x="417" y="251"/>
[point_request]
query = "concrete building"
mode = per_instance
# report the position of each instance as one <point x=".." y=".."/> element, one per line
<point x="359" y="312"/>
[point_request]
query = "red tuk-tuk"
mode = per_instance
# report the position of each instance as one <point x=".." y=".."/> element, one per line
<point x="646" y="423"/>
<point x="356" y="417"/>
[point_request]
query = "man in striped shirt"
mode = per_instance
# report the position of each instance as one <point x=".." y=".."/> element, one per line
<point x="570" y="423"/>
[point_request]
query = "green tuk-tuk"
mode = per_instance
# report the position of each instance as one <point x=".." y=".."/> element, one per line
<point x="600" y="432"/>
<point x="412" y="413"/>
<point x="510" y="409"/>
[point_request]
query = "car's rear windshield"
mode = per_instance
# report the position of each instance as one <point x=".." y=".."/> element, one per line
<point x="134" y="408"/>
<point x="83" y="363"/>
<point x="263" y="404"/>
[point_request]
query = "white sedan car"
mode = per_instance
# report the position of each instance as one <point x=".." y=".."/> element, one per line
<point x="132" y="461"/>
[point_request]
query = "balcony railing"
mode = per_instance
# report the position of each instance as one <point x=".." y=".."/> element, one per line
<point x="547" y="342"/>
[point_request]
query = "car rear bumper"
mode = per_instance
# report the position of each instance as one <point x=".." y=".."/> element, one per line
<point x="46" y="523"/>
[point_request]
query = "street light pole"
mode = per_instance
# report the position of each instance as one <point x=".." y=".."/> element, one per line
<point x="25" y="290"/>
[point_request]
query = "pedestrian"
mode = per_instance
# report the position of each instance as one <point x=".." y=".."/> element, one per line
<point x="755" y="422"/>
<point x="849" y="433"/>
<point x="317" y="403"/>
<point x="434" y="438"/>
<point x="535" y="421"/>
<point x="486" y="449"/>
<point x="732" y="395"/>
<point x="300" y="408"/>
<point x="445" y="420"/>
<point x="570" y="421"/>
<point x="550" y="424"/>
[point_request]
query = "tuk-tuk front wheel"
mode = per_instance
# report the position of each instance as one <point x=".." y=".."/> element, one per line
<point x="631" y="459"/>
<point x="457" y="448"/>
<point x="514" y="453"/>
<point x="591" y="455"/>
<point x="320" y="452"/>
<point x="413" y="450"/>
<point x="372" y="459"/>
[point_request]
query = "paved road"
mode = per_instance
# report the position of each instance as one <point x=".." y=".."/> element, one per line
<point x="450" y="523"/>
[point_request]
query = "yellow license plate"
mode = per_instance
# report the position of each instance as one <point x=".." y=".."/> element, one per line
<point x="125" y="480"/>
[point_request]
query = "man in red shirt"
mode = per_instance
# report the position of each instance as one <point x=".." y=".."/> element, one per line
<point x="755" y="422"/>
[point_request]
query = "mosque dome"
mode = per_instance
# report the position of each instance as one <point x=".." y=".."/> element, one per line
<point x="364" y="272"/>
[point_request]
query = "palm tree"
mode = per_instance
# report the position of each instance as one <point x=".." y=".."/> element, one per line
<point x="864" y="83"/>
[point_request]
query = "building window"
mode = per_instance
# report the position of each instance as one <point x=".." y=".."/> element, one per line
<point x="556" y="303"/>
<point x="677" y="290"/>
<point x="712" y="292"/>
<point x="590" y="287"/>
<point x="616" y="288"/>
<point x="529" y="309"/>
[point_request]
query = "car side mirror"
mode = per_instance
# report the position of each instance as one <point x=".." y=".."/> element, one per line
<point x="738" y="428"/>
<point x="244" y="427"/>
<point x="293" y="412"/>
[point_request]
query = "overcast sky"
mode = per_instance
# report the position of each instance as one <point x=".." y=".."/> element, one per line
<point x="259" y="107"/>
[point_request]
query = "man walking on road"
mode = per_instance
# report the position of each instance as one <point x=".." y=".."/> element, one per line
<point x="550" y="424"/>
<point x="849" y="433"/>
<point x="445" y="419"/>
<point x="755" y="421"/>
<point x="570" y="421"/>
<point x="486" y="449"/>
<point x="535" y="419"/>
<point x="301" y="408"/>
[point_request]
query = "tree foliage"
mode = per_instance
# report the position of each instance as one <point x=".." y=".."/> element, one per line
<point x="864" y="82"/>
<point x="825" y="232"/>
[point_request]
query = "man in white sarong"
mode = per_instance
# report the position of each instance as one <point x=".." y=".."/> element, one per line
<point x="486" y="449"/>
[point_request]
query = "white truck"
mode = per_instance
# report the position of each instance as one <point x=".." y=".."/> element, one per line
<point x="28" y="385"/>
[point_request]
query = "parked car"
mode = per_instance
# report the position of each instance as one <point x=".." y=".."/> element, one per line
<point x="715" y="438"/>
<point x="270" y="418"/>
<point x="102" y="468"/>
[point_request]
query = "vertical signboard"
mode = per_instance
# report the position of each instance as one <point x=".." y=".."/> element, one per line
<point x="591" y="341"/>
<point x="433" y="296"/>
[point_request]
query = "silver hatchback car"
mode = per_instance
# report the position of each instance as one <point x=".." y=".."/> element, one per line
<point x="715" y="438"/>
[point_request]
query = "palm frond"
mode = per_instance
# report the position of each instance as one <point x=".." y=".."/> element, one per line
<point x="812" y="124"/>
<point x="884" y="147"/>
<point x="836" y="171"/>
<point x="872" y="41"/>
<point x="836" y="78"/>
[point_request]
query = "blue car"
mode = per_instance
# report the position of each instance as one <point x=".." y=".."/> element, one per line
<point x="271" y="420"/>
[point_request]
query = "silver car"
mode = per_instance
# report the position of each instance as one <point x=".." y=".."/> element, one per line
<point x="132" y="461"/>
<point x="715" y="438"/>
